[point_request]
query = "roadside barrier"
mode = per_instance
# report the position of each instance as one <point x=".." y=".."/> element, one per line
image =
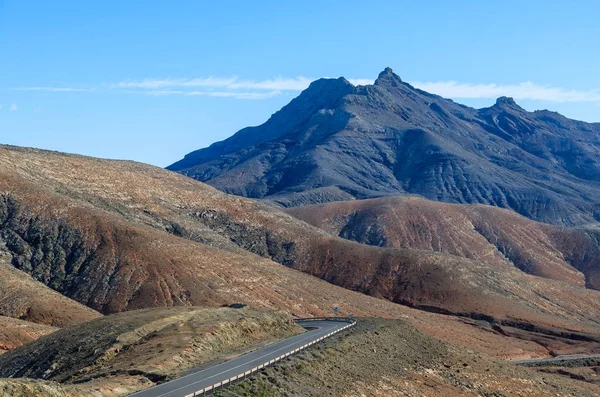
<point x="244" y="375"/>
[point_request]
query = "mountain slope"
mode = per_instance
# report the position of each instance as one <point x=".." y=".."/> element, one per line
<point x="338" y="142"/>
<point x="24" y="298"/>
<point x="118" y="236"/>
<point x="15" y="333"/>
<point x="483" y="233"/>
<point x="130" y="351"/>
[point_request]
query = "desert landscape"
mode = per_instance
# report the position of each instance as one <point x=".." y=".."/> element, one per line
<point x="118" y="236"/>
<point x="299" y="199"/>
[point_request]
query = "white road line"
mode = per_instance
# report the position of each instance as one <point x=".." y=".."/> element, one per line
<point x="232" y="368"/>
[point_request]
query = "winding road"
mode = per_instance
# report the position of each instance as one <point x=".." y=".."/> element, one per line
<point x="558" y="359"/>
<point x="218" y="376"/>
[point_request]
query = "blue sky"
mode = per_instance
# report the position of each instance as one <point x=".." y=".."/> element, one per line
<point x="154" y="80"/>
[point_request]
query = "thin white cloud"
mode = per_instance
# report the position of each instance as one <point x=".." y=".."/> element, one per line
<point x="13" y="107"/>
<point x="232" y="83"/>
<point x="361" y="81"/>
<point x="1" y="106"/>
<point x="173" y="83"/>
<point x="220" y="94"/>
<point x="233" y="87"/>
<point x="527" y="90"/>
<point x="53" y="89"/>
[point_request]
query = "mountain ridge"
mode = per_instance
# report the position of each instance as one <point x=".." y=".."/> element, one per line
<point x="345" y="142"/>
<point x="101" y="233"/>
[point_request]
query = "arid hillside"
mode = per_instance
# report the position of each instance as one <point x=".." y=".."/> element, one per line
<point x="117" y="235"/>
<point x="15" y="333"/>
<point x="478" y="232"/>
<point x="408" y="364"/>
<point x="413" y="365"/>
<point x="130" y="351"/>
<point x="30" y="309"/>
<point x="118" y="354"/>
<point x="24" y="298"/>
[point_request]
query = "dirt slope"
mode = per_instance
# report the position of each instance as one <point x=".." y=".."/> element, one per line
<point x="15" y="333"/>
<point x="408" y="363"/>
<point x="136" y="349"/>
<point x="482" y="233"/>
<point x="119" y="354"/>
<point x="118" y="235"/>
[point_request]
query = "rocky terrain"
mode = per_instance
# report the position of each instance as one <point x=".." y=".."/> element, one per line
<point x="32" y="387"/>
<point x="408" y="364"/>
<point x="119" y="354"/>
<point x="30" y="309"/>
<point x="483" y="233"/>
<point x="117" y="236"/>
<point x="338" y="142"/>
<point x="78" y="233"/>
<point x="24" y="298"/>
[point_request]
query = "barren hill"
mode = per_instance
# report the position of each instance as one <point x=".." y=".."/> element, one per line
<point x="118" y="354"/>
<point x="29" y="309"/>
<point x="129" y="351"/>
<point x="117" y="235"/>
<point x="478" y="232"/>
<point x="338" y="142"/>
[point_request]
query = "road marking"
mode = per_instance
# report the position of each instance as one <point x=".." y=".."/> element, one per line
<point x="230" y="369"/>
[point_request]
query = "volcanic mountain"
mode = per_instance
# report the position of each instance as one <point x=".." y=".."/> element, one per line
<point x="336" y="142"/>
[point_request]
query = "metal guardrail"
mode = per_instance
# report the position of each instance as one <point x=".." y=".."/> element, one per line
<point x="245" y="375"/>
<point x="341" y="319"/>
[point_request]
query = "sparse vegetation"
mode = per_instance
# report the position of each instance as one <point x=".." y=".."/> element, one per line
<point x="390" y="358"/>
<point x="136" y="349"/>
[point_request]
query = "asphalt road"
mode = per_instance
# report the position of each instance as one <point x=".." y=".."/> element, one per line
<point x="572" y="357"/>
<point x="205" y="378"/>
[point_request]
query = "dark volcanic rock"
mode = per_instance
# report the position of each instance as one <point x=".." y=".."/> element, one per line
<point x="338" y="142"/>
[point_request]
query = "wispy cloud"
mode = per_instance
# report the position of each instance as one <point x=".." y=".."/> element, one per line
<point x="53" y="89"/>
<point x="527" y="90"/>
<point x="232" y="83"/>
<point x="13" y="107"/>
<point x="211" y="82"/>
<point x="218" y="94"/>
<point x="222" y="87"/>
<point x="361" y="81"/>
<point x="234" y="87"/>
<point x="1" y="106"/>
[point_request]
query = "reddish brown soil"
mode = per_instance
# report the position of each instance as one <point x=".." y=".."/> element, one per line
<point x="15" y="333"/>
<point x="486" y="234"/>
<point x="146" y="237"/>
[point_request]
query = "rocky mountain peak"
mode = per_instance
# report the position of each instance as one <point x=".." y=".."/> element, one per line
<point x="388" y="78"/>
<point x="329" y="84"/>
<point x="322" y="93"/>
<point x="506" y="101"/>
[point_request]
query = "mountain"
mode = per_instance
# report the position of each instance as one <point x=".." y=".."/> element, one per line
<point x="492" y="235"/>
<point x="339" y="142"/>
<point x="117" y="236"/>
